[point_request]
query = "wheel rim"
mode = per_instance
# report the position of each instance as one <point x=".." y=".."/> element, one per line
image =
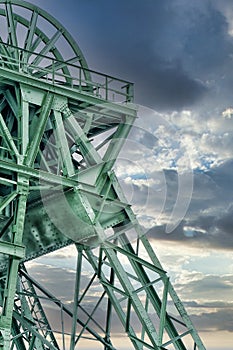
<point x="34" y="40"/>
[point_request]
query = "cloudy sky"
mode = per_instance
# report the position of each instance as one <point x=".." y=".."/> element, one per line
<point x="179" y="54"/>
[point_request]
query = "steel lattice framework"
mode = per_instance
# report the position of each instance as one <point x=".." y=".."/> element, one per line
<point x="58" y="188"/>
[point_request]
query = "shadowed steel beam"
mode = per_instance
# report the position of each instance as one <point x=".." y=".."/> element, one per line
<point x="32" y="329"/>
<point x="30" y="33"/>
<point x="64" y="308"/>
<point x="47" y="48"/>
<point x="25" y="127"/>
<point x="110" y="291"/>
<point x="76" y="297"/>
<point x="34" y="146"/>
<point x="11" y="279"/>
<point x="12" y="28"/>
<point x="7" y="136"/>
<point x="63" y="145"/>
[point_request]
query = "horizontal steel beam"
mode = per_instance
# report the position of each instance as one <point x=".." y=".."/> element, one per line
<point x="38" y="174"/>
<point x="11" y="249"/>
<point x="69" y="92"/>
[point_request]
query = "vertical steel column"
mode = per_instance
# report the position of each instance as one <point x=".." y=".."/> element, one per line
<point x="12" y="274"/>
<point x="76" y="296"/>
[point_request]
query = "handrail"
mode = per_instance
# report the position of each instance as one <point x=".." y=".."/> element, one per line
<point x="102" y="85"/>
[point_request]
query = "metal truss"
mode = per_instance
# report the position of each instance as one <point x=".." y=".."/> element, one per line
<point x="62" y="127"/>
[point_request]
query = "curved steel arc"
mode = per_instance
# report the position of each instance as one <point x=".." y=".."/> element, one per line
<point x="33" y="29"/>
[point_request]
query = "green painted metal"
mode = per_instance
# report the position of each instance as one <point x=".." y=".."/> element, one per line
<point x="58" y="188"/>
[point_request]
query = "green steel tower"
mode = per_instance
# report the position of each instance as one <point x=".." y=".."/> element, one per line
<point x="62" y="127"/>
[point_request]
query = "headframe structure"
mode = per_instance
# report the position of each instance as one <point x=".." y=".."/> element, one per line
<point x="58" y="188"/>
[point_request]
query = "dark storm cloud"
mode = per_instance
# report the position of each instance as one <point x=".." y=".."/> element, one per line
<point x="207" y="43"/>
<point x="205" y="286"/>
<point x="225" y="222"/>
<point x="209" y="305"/>
<point x="194" y="236"/>
<point x="222" y="176"/>
<point x="209" y="219"/>
<point x="51" y="277"/>
<point x="168" y="48"/>
<point x="212" y="313"/>
<point x="220" y="320"/>
<point x="166" y="85"/>
<point x="175" y="51"/>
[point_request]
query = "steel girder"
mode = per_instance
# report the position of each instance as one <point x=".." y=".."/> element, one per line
<point x="62" y="128"/>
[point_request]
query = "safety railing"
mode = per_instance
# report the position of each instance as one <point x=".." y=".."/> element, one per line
<point x="65" y="73"/>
